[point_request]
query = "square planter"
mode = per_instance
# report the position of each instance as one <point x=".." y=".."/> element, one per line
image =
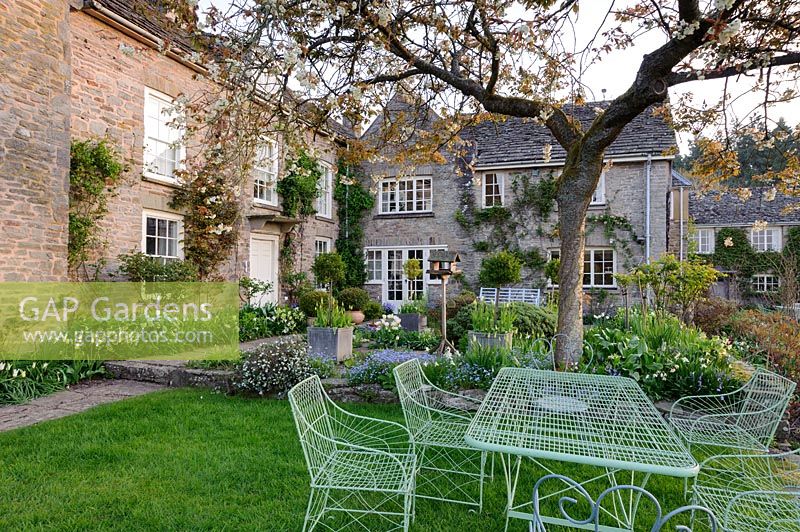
<point x="502" y="340"/>
<point x="413" y="322"/>
<point x="331" y="342"/>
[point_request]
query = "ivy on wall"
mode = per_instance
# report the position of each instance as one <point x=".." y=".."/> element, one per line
<point x="95" y="173"/>
<point x="298" y="190"/>
<point x="353" y="202"/>
<point x="619" y="233"/>
<point x="734" y="252"/>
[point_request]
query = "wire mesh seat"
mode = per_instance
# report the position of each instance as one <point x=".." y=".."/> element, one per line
<point x="450" y="470"/>
<point x="751" y="493"/>
<point x="616" y="495"/>
<point x="362" y="469"/>
<point x="744" y="419"/>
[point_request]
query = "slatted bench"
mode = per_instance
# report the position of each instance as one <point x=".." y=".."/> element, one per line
<point x="512" y="295"/>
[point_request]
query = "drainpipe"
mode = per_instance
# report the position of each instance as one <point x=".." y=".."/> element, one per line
<point x="680" y="222"/>
<point x="647" y="209"/>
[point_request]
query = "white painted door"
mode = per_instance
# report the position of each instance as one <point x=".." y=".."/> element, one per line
<point x="264" y="265"/>
<point x="400" y="288"/>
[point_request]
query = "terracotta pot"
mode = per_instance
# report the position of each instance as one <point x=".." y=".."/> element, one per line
<point x="356" y="315"/>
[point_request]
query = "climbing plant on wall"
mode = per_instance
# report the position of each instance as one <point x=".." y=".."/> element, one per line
<point x="212" y="206"/>
<point x="298" y="189"/>
<point x="353" y="202"/>
<point x="95" y="172"/>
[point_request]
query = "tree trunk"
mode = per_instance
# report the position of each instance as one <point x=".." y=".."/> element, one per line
<point x="576" y="187"/>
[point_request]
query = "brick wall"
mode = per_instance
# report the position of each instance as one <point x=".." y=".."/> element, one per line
<point x="34" y="140"/>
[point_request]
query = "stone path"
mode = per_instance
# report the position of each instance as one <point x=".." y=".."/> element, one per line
<point x="78" y="398"/>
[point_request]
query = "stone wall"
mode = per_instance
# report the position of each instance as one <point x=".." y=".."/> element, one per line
<point x="111" y="70"/>
<point x="625" y="196"/>
<point x="34" y="139"/>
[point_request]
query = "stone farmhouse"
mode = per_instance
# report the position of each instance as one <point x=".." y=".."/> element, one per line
<point x="93" y="68"/>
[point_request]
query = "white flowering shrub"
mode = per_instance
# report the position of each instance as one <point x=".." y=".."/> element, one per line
<point x="273" y="368"/>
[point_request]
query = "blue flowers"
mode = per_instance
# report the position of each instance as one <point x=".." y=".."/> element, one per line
<point x="377" y="367"/>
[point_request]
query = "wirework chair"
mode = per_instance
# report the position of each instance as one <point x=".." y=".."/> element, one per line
<point x="449" y="469"/>
<point x="362" y="469"/>
<point x="744" y="419"/>
<point x="624" y="503"/>
<point x="751" y="493"/>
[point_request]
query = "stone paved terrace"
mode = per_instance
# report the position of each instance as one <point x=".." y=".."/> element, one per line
<point x="77" y="398"/>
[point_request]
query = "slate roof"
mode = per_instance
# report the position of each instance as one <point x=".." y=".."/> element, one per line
<point x="728" y="209"/>
<point x="150" y="15"/>
<point x="520" y="141"/>
<point x="679" y="180"/>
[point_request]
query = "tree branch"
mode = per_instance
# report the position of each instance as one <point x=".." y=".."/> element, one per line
<point x="689" y="10"/>
<point x="676" y="78"/>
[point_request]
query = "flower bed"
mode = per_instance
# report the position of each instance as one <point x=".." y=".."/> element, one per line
<point x="24" y="380"/>
<point x="269" y="320"/>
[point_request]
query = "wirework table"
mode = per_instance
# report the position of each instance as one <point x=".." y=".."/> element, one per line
<point x="594" y="420"/>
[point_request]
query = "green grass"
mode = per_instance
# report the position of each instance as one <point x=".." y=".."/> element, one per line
<point x="195" y="460"/>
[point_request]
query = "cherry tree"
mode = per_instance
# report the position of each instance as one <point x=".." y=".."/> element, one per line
<point x="309" y="61"/>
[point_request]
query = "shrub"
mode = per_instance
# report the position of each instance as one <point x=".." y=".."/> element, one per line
<point x="328" y="269"/>
<point x="534" y="321"/>
<point x="667" y="358"/>
<point x="273" y="368"/>
<point x="138" y="267"/>
<point x="353" y="298"/>
<point x="713" y="315"/>
<point x="311" y="299"/>
<point x="500" y="269"/>
<point x="269" y="320"/>
<point x="776" y="333"/>
<point x="372" y="310"/>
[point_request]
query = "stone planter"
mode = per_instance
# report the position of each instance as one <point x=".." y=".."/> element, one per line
<point x="502" y="340"/>
<point x="413" y="322"/>
<point x="356" y="315"/>
<point x="332" y="342"/>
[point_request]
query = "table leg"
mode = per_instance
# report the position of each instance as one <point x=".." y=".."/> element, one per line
<point x="510" y="464"/>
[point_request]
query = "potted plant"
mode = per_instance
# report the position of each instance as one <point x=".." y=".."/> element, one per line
<point x="490" y="329"/>
<point x="354" y="300"/>
<point x="332" y="332"/>
<point x="413" y="314"/>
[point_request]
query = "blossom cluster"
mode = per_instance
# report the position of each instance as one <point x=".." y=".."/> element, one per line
<point x="273" y="368"/>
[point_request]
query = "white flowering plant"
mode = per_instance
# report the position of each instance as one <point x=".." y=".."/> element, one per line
<point x="273" y="368"/>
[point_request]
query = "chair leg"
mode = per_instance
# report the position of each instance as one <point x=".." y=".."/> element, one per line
<point x="315" y="510"/>
<point x="483" y="468"/>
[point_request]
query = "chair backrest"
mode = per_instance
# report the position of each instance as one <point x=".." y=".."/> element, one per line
<point x="310" y="408"/>
<point x="566" y="499"/>
<point x="511" y="295"/>
<point x="412" y="391"/>
<point x="767" y="394"/>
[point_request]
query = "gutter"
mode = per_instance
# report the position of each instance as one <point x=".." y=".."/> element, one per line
<point x="511" y="165"/>
<point x="647" y="209"/>
<point x="93" y="8"/>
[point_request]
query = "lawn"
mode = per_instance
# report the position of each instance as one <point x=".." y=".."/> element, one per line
<point x="195" y="460"/>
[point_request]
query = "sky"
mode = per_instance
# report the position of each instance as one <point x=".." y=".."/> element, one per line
<point x="617" y="71"/>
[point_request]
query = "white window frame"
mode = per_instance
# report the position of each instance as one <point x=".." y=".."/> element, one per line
<point x="325" y="192"/>
<point x="268" y="185"/>
<point x="320" y="243"/>
<point x="697" y="238"/>
<point x="501" y="183"/>
<point x="147" y="155"/>
<point x="599" y="194"/>
<point x="759" y="281"/>
<point x="394" y="185"/>
<point x="170" y="217"/>
<point x="557" y="253"/>
<point x="376" y="259"/>
<point x="384" y="260"/>
<point x="776" y="239"/>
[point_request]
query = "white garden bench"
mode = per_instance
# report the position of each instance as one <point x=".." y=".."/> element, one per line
<point x="512" y="295"/>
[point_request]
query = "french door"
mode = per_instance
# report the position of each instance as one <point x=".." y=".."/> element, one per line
<point x="398" y="287"/>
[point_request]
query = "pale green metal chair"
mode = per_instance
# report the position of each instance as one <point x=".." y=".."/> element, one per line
<point x="744" y="419"/>
<point x="623" y="497"/>
<point x="751" y="493"/>
<point x="362" y="469"/>
<point x="450" y="470"/>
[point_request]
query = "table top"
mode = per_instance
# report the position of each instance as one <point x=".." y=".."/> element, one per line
<point x="596" y="420"/>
